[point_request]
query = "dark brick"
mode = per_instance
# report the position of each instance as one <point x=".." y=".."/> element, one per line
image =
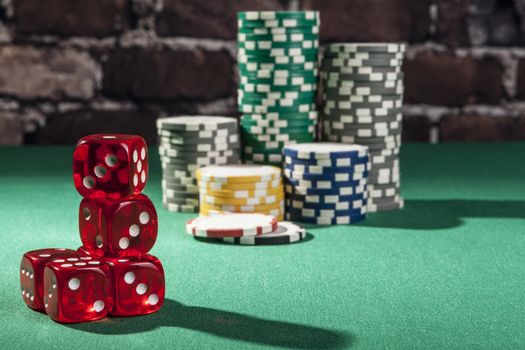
<point x="452" y="27"/>
<point x="67" y="128"/>
<point x="520" y="10"/>
<point x="11" y="133"/>
<point x="31" y="73"/>
<point x="481" y="128"/>
<point x="205" y="19"/>
<point x="520" y="93"/>
<point x="453" y="81"/>
<point x="504" y="26"/>
<point x="72" y="17"/>
<point x="416" y="129"/>
<point x="372" y="20"/>
<point x="151" y="74"/>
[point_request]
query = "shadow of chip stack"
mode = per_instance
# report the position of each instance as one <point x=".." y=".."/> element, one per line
<point x="362" y="103"/>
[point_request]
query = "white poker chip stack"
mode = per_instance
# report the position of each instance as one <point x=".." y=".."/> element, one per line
<point x="188" y="143"/>
<point x="362" y="104"/>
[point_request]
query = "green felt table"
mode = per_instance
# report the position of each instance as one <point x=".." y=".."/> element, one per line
<point x="448" y="271"/>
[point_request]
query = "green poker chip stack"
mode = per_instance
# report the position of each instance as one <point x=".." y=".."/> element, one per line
<point x="278" y="75"/>
<point x="362" y="86"/>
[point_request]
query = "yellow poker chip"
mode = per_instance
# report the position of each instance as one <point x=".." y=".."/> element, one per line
<point x="243" y="208"/>
<point x="242" y="193"/>
<point x="238" y="173"/>
<point x="278" y="213"/>
<point x="262" y="200"/>
<point x="248" y="186"/>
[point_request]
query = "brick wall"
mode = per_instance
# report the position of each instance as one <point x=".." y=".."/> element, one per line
<point x="72" y="67"/>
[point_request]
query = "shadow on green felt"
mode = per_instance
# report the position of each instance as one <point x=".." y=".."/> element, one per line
<point x="434" y="214"/>
<point x="224" y="324"/>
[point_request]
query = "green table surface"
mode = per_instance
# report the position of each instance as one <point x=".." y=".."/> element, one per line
<point x="447" y="272"/>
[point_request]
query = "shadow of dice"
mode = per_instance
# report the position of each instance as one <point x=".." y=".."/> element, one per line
<point x="121" y="227"/>
<point x="110" y="166"/>
<point x="32" y="273"/>
<point x="138" y="283"/>
<point x="77" y="290"/>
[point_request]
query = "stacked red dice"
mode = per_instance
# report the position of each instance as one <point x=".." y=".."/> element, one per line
<point x="112" y="273"/>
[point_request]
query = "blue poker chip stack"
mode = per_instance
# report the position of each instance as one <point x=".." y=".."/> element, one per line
<point x="326" y="183"/>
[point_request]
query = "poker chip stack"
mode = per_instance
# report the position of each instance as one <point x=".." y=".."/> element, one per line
<point x="245" y="229"/>
<point x="188" y="143"/>
<point x="241" y="189"/>
<point x="325" y="183"/>
<point x="278" y="69"/>
<point x="362" y="101"/>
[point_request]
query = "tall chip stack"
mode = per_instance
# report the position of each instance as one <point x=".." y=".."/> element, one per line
<point x="362" y="103"/>
<point x="278" y="73"/>
<point x="188" y="143"/>
<point x="325" y="183"/>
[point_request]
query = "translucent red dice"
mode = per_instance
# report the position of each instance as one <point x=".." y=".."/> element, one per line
<point x="122" y="227"/>
<point x="111" y="272"/>
<point x="110" y="165"/>
<point x="32" y="273"/>
<point x="77" y="291"/>
<point x="138" y="285"/>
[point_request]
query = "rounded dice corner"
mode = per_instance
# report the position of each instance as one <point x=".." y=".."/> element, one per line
<point x="110" y="165"/>
<point x="77" y="291"/>
<point x="123" y="227"/>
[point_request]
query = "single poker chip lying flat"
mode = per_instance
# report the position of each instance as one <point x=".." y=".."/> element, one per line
<point x="326" y="213"/>
<point x="325" y="150"/>
<point x="286" y="232"/>
<point x="275" y="15"/>
<point x="394" y="205"/>
<point x="241" y="193"/>
<point x="339" y="220"/>
<point x="336" y="48"/>
<point x="196" y="123"/>
<point x="231" y="225"/>
<point x="184" y="208"/>
<point x="336" y="162"/>
<point x="248" y="186"/>
<point x="238" y="173"/>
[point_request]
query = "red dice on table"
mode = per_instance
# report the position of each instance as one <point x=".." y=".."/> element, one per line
<point x="138" y="285"/>
<point x="32" y="273"/>
<point x="77" y="291"/>
<point x="118" y="227"/>
<point x="110" y="166"/>
<point x="111" y="273"/>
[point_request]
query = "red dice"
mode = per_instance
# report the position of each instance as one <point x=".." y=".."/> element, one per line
<point x="32" y="273"/>
<point x="88" y="252"/>
<point x="118" y="227"/>
<point x="138" y="285"/>
<point x="77" y="291"/>
<point x="111" y="273"/>
<point x="110" y="165"/>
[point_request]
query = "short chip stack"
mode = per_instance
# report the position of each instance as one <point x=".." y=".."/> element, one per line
<point x="363" y="95"/>
<point x="188" y="143"/>
<point x="325" y="183"/>
<point x="278" y="69"/>
<point x="245" y="229"/>
<point x="241" y="189"/>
